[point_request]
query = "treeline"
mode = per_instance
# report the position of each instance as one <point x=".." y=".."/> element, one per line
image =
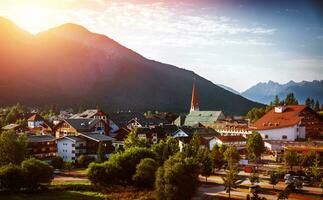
<point x="256" y="113"/>
<point x="162" y="166"/>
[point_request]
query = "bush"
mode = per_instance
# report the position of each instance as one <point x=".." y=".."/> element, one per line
<point x="120" y="168"/>
<point x="103" y="174"/>
<point x="11" y="177"/>
<point x="36" y="173"/>
<point x="128" y="161"/>
<point x="57" y="162"/>
<point x="145" y="173"/>
<point x="177" y="179"/>
<point x="84" y="160"/>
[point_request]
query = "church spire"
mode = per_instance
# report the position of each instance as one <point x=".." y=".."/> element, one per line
<point x="194" y="102"/>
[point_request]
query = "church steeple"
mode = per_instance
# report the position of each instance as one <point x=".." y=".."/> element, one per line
<point x="194" y="102"/>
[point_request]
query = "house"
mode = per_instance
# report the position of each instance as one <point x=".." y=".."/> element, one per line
<point x="17" y="128"/>
<point x="70" y="147"/>
<point x="35" y="121"/>
<point x="152" y="134"/>
<point x="91" y="114"/>
<point x="289" y="123"/>
<point x="41" y="146"/>
<point x="74" y="126"/>
<point x="237" y="140"/>
<point x="119" y="136"/>
<point x="195" y="116"/>
<point x="184" y="135"/>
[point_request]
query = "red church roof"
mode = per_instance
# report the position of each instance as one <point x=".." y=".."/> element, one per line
<point x="273" y="120"/>
<point x="194" y="102"/>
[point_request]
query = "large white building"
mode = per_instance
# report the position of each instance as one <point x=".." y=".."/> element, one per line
<point x="281" y="123"/>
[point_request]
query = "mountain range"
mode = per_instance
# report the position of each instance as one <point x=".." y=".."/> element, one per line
<point x="266" y="92"/>
<point x="70" y="66"/>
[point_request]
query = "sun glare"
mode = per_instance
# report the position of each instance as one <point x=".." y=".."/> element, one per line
<point x="32" y="17"/>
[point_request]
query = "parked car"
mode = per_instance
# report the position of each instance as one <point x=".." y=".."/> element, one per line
<point x="57" y="171"/>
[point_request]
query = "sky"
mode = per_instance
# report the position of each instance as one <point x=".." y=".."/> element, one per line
<point x="237" y="43"/>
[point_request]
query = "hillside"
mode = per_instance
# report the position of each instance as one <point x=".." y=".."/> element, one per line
<point x="265" y="92"/>
<point x="71" y="66"/>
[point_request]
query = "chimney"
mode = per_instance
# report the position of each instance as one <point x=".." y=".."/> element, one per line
<point x="280" y="109"/>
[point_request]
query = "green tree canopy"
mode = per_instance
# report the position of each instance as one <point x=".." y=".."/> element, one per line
<point x="12" y="148"/>
<point x="255" y="145"/>
<point x="231" y="155"/>
<point x="133" y="141"/>
<point x="145" y="173"/>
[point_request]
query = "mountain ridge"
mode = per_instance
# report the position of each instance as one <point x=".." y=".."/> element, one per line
<point x="71" y="66"/>
<point x="265" y="92"/>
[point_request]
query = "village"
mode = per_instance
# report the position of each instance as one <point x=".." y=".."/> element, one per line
<point x="284" y="130"/>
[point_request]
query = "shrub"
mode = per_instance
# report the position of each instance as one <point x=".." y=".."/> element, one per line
<point x="177" y="179"/>
<point x="36" y="173"/>
<point x="103" y="174"/>
<point x="57" y="162"/>
<point x="84" y="160"/>
<point x="11" y="177"/>
<point x="128" y="160"/>
<point x="145" y="173"/>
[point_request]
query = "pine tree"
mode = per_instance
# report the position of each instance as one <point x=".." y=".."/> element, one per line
<point x="308" y="102"/>
<point x="317" y="106"/>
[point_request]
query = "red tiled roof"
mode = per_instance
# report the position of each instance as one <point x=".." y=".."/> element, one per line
<point x="272" y="120"/>
<point x="233" y="138"/>
<point x="36" y="117"/>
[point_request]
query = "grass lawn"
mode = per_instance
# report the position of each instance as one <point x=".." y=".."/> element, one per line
<point x="54" y="195"/>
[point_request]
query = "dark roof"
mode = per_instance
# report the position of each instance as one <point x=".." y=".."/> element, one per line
<point x="40" y="138"/>
<point x="121" y="119"/>
<point x="90" y="113"/>
<point x="36" y="117"/>
<point x="96" y="137"/>
<point x="82" y="125"/>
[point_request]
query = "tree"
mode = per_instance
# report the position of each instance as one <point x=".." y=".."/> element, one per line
<point x="133" y="141"/>
<point x="312" y="103"/>
<point x="12" y="148"/>
<point x="177" y="179"/>
<point x="217" y="157"/>
<point x="308" y="102"/>
<point x="145" y="173"/>
<point x="101" y="153"/>
<point x="165" y="149"/>
<point x="103" y="174"/>
<point x="290" y="99"/>
<point x="57" y="162"/>
<point x="273" y="179"/>
<point x="308" y="159"/>
<point x="205" y="162"/>
<point x="317" y="106"/>
<point x="11" y="177"/>
<point x="254" y="178"/>
<point x="84" y="160"/>
<point x="127" y="161"/>
<point x="230" y="179"/>
<point x="231" y="155"/>
<point x="316" y="171"/>
<point x="276" y="101"/>
<point x="36" y="173"/>
<point x="68" y="165"/>
<point x="291" y="159"/>
<point x="255" y="145"/>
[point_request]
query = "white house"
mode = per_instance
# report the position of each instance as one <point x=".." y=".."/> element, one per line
<point x="237" y="140"/>
<point x="69" y="147"/>
<point x="35" y="121"/>
<point x="281" y="123"/>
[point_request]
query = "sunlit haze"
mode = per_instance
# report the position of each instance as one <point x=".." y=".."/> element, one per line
<point x="236" y="44"/>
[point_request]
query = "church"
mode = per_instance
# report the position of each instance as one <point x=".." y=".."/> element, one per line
<point x="197" y="117"/>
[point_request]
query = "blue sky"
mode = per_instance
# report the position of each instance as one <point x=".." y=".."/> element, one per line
<point x="230" y="42"/>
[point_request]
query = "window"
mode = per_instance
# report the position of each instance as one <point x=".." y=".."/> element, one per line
<point x="266" y="136"/>
<point x="284" y="136"/>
